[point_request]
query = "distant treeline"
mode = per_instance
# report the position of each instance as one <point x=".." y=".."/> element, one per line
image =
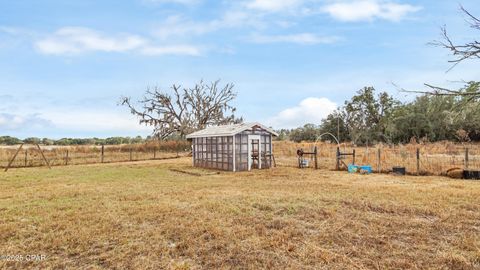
<point x="8" y="140"/>
<point x="369" y="118"/>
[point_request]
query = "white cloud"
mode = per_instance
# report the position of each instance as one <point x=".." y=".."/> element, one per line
<point x="310" y="110"/>
<point x="366" y="10"/>
<point x="76" y="40"/>
<point x="302" y="38"/>
<point x="273" y="5"/>
<point x="58" y="119"/>
<point x="99" y="121"/>
<point x="178" y="26"/>
<point x="10" y="122"/>
<point x="172" y="50"/>
<point x="10" y="30"/>
<point x="71" y="40"/>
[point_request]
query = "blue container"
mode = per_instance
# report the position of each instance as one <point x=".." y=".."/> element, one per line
<point x="355" y="168"/>
<point x="352" y="168"/>
<point x="367" y="169"/>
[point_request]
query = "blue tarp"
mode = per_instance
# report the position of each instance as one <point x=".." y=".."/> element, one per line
<point x="356" y="168"/>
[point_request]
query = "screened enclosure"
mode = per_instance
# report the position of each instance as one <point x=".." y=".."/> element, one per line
<point x="241" y="147"/>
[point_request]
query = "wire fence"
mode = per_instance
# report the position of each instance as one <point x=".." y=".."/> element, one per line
<point x="31" y="156"/>
<point x="428" y="159"/>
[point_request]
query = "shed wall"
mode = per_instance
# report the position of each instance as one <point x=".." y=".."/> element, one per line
<point x="213" y="153"/>
<point x="241" y="149"/>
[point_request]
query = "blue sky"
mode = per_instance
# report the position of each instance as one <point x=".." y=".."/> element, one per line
<point x="65" y="64"/>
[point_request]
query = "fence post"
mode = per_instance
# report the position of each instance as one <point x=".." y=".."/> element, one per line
<point x="353" y="156"/>
<point x="316" y="160"/>
<point x="131" y="152"/>
<point x="66" y="158"/>
<point x="418" y="161"/>
<point x="338" y="159"/>
<point x="103" y="152"/>
<point x="466" y="158"/>
<point x="26" y="157"/>
<point x="154" y="152"/>
<point x="379" y="166"/>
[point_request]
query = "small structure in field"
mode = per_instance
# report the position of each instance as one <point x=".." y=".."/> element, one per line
<point x="240" y="147"/>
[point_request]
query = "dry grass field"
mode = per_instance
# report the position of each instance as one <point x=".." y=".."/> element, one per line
<point x="153" y="215"/>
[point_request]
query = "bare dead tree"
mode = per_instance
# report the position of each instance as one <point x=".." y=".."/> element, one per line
<point x="185" y="110"/>
<point x="465" y="51"/>
<point x="461" y="52"/>
<point x="473" y="93"/>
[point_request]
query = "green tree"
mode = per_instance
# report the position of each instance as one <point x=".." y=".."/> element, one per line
<point x="335" y="124"/>
<point x="437" y="117"/>
<point x="32" y="140"/>
<point x="7" y="140"/>
<point x="309" y="132"/>
<point x="47" y="141"/>
<point x="366" y="115"/>
<point x="283" y="134"/>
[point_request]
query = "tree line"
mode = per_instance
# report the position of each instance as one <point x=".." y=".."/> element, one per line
<point x="8" y="140"/>
<point x="370" y="117"/>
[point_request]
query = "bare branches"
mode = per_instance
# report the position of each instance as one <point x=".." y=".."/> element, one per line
<point x="187" y="109"/>
<point x="474" y="21"/>
<point x="471" y="91"/>
<point x="462" y="52"/>
<point x="465" y="51"/>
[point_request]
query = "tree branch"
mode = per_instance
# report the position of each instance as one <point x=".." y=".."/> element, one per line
<point x="464" y="51"/>
<point x="187" y="110"/>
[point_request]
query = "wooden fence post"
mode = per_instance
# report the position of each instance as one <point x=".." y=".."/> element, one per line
<point x="66" y="158"/>
<point x="353" y="157"/>
<point x="337" y="167"/>
<point x="26" y="157"/>
<point x="379" y="160"/>
<point x="103" y="152"/>
<point x="13" y="158"/>
<point x="466" y="158"/>
<point x="131" y="152"/>
<point x="43" y="155"/>
<point x="316" y="159"/>
<point x="418" y="161"/>
<point x="154" y="152"/>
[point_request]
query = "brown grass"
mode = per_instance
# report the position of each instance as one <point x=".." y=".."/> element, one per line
<point x="153" y="215"/>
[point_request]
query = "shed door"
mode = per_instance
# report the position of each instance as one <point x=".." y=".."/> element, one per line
<point x="254" y="158"/>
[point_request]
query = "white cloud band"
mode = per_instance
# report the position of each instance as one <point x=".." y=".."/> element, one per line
<point x="76" y="40"/>
<point x="310" y="110"/>
<point x="302" y="38"/>
<point x="367" y="10"/>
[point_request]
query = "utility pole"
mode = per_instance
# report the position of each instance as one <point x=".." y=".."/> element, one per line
<point x="338" y="128"/>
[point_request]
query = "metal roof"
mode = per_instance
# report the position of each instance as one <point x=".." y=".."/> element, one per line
<point x="229" y="130"/>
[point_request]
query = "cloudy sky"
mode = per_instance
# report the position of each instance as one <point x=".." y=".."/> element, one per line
<point x="65" y="64"/>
